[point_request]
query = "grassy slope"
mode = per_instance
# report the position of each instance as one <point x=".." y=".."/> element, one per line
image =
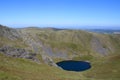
<point x="21" y="69"/>
<point x="15" y="43"/>
<point x="105" y="69"/>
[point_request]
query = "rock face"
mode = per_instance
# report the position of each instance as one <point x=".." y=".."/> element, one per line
<point x="98" y="47"/>
<point x="18" y="53"/>
<point x="33" y="43"/>
<point x="48" y="60"/>
<point x="9" y="33"/>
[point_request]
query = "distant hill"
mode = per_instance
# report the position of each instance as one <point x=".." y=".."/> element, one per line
<point x="105" y="31"/>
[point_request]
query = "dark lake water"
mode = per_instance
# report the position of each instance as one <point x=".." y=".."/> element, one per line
<point x="74" y="65"/>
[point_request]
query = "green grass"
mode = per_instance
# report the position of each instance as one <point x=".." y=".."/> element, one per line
<point x="84" y="58"/>
<point x="18" y="43"/>
<point x="105" y="69"/>
<point x="22" y="69"/>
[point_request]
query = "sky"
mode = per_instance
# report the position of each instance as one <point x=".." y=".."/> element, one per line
<point x="60" y="13"/>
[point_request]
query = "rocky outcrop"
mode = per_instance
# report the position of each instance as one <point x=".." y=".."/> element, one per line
<point x="18" y="53"/>
<point x="37" y="46"/>
<point x="48" y="60"/>
<point x="9" y="33"/>
<point x="98" y="47"/>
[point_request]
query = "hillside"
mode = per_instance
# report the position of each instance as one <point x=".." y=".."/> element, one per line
<point x="34" y="51"/>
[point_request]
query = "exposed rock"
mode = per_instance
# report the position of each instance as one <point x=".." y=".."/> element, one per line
<point x="48" y="60"/>
<point x="98" y="47"/>
<point x="58" y="54"/>
<point x="9" y="33"/>
<point x="18" y="53"/>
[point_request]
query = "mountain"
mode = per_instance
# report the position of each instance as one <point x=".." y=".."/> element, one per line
<point x="25" y="53"/>
<point x="106" y="31"/>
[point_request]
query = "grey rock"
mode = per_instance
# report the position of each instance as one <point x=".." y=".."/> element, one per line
<point x="9" y="33"/>
<point x="48" y="60"/>
<point x="58" y="54"/>
<point x="18" y="53"/>
<point x="98" y="47"/>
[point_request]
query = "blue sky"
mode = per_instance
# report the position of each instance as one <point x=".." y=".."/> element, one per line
<point x="56" y="13"/>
